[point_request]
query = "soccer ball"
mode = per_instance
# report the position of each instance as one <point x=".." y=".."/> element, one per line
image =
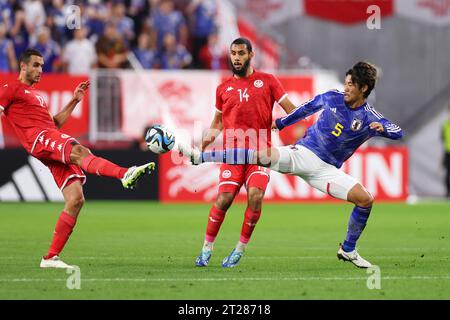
<point x="159" y="139"/>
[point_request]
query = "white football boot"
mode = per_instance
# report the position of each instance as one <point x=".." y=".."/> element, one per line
<point x="353" y="257"/>
<point x="54" y="262"/>
<point x="133" y="174"/>
<point x="192" y="153"/>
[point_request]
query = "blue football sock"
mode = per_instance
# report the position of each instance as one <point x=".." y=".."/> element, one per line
<point x="356" y="225"/>
<point x="230" y="156"/>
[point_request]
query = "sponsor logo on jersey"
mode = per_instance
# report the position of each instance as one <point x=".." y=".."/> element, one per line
<point x="356" y="124"/>
<point x="226" y="174"/>
<point x="333" y="109"/>
<point x="26" y="91"/>
<point x="229" y="89"/>
<point x="65" y="136"/>
<point x="258" y="83"/>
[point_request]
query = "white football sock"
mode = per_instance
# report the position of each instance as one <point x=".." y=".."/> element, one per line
<point x="208" y="245"/>
<point x="240" y="247"/>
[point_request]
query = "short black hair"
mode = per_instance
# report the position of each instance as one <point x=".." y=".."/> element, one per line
<point x="243" y="41"/>
<point x="26" y="55"/>
<point x="364" y="73"/>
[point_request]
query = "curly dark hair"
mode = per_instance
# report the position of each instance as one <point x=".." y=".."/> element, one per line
<point x="364" y="73"/>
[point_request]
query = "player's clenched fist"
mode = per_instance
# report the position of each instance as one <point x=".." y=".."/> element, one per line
<point x="376" y="126"/>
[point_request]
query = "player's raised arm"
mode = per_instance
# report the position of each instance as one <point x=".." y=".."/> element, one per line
<point x="214" y="130"/>
<point x="308" y="108"/>
<point x="65" y="113"/>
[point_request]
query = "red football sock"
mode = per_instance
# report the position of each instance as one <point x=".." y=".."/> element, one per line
<point x="63" y="229"/>
<point x="102" y="167"/>
<point x="215" y="220"/>
<point x="250" y="220"/>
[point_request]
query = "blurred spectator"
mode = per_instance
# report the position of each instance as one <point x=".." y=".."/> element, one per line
<point x="79" y="55"/>
<point x="146" y="51"/>
<point x="18" y="32"/>
<point x="173" y="55"/>
<point x="8" y="60"/>
<point x="56" y="21"/>
<point x="139" y="11"/>
<point x="6" y="14"/>
<point x="94" y="16"/>
<point x="202" y="15"/>
<point x="212" y="55"/>
<point x="34" y="18"/>
<point x="111" y="49"/>
<point x="124" y="24"/>
<point x="166" y="20"/>
<point x="446" y="141"/>
<point x="51" y="52"/>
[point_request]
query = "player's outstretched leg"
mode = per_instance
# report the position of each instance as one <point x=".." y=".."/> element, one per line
<point x="74" y="201"/>
<point x="363" y="205"/>
<point x="215" y="219"/>
<point x="92" y="164"/>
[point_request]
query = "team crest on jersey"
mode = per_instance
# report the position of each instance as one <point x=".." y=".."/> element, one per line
<point x="356" y="124"/>
<point x="258" y="83"/>
<point x="226" y="174"/>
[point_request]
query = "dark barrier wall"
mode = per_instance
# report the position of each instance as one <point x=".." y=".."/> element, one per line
<point x="23" y="178"/>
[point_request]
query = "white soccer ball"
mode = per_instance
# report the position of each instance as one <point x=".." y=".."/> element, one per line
<point x="159" y="139"/>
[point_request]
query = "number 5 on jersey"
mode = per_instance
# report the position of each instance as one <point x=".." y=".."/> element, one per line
<point x="243" y="95"/>
<point x="337" y="130"/>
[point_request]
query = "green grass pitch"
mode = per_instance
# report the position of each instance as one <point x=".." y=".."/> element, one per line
<point x="146" y="250"/>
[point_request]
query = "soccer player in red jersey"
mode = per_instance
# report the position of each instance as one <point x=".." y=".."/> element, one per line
<point x="67" y="160"/>
<point x="244" y="104"/>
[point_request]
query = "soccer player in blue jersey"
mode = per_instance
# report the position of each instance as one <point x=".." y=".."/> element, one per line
<point x="347" y="121"/>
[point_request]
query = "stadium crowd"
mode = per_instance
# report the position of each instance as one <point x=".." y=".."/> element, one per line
<point x="162" y="34"/>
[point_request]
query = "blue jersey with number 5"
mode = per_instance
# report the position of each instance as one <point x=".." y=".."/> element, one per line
<point x="340" y="130"/>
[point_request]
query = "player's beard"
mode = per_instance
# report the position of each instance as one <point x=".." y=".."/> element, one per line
<point x="243" y="71"/>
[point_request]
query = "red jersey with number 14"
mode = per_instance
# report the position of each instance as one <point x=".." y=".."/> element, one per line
<point x="26" y="111"/>
<point x="246" y="105"/>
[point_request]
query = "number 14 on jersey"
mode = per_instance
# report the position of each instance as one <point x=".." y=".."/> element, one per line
<point x="243" y="95"/>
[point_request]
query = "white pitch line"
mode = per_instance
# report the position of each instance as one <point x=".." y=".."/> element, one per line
<point x="226" y="279"/>
<point x="139" y="258"/>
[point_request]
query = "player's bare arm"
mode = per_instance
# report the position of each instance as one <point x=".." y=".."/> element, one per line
<point x="65" y="113"/>
<point x="287" y="106"/>
<point x="214" y="130"/>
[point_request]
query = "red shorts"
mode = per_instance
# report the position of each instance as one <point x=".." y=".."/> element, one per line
<point x="232" y="177"/>
<point x="53" y="149"/>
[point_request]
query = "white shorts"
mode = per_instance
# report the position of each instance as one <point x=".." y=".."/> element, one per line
<point x="300" y="161"/>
